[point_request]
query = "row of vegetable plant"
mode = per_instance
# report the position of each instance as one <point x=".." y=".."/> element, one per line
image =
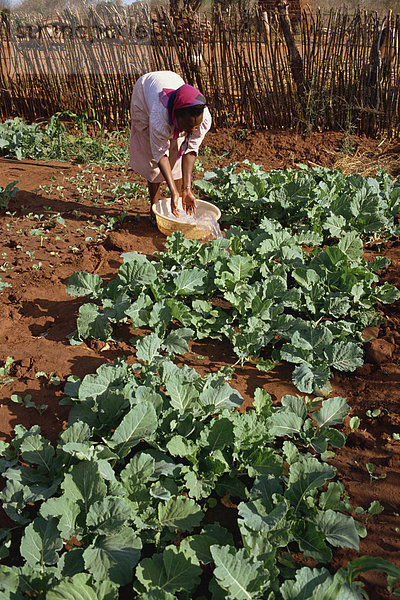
<point x="126" y="500"/>
<point x="261" y="289"/>
<point x="66" y="136"/>
<point x="127" y="503"/>
<point x="318" y="199"/>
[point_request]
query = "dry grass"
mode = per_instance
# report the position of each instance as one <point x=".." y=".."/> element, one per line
<point x="368" y="163"/>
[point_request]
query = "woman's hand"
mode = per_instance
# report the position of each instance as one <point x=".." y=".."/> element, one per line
<point x="174" y="202"/>
<point x="189" y="201"/>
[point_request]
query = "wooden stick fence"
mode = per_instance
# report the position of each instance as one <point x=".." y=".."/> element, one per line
<point x="255" y="72"/>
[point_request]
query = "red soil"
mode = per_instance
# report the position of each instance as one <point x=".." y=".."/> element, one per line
<point x="37" y="314"/>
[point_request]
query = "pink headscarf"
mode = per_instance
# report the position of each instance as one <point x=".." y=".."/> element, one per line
<point x="183" y="97"/>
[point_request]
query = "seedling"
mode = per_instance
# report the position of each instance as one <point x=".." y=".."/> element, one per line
<point x="51" y="377"/>
<point x="372" y="414"/>
<point x="354" y="423"/>
<point x="6" y="193"/>
<point x="27" y="402"/>
<point x="127" y="191"/>
<point x="4" y="371"/>
<point x="375" y="508"/>
<point x="371" y="468"/>
<point x="113" y="221"/>
<point x="3" y="285"/>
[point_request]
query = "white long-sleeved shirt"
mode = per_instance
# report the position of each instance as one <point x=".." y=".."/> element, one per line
<point x="146" y="98"/>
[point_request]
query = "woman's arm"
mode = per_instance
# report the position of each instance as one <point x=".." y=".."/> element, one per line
<point x="188" y="198"/>
<point x="165" y="169"/>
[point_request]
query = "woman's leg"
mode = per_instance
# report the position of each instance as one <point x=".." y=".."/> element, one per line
<point x="154" y="196"/>
<point x="154" y="191"/>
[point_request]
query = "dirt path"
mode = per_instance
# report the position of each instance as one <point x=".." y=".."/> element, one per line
<point x="49" y="233"/>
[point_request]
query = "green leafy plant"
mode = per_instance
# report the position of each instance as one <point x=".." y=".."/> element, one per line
<point x="3" y="284"/>
<point x="149" y="448"/>
<point x="127" y="191"/>
<point x="85" y="141"/>
<point x="6" y="193"/>
<point x="27" y="402"/>
<point x="371" y="471"/>
<point x="280" y="301"/>
<point x="51" y="377"/>
<point x="319" y="200"/>
<point x="4" y="371"/>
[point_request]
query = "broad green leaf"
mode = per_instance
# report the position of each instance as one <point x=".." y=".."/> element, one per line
<point x="180" y="513"/>
<point x="71" y="562"/>
<point x="311" y="541"/>
<point x="339" y="530"/>
<point x="148" y="394"/>
<point x="9" y="581"/>
<point x="84" y="484"/>
<point x="183" y="394"/>
<point x="221" y="397"/>
<point x="94" y="322"/>
<point x="306" y="475"/>
<point x="218" y="435"/>
<point x="177" y="341"/>
<point x="114" y="556"/>
<point x="66" y="509"/>
<point x="108" y="515"/>
<point x="138" y="471"/>
<point x="386" y="293"/>
<point x="170" y="571"/>
<point x="325" y="437"/>
<point x="307" y="378"/>
<point x="74" y="588"/>
<point x="237" y="574"/>
<point x="198" y="488"/>
<point x="79" y="432"/>
<point x="137" y="271"/>
<point x="262" y="401"/>
<point x="335" y="224"/>
<point x="147" y="348"/>
<point x="256" y="516"/>
<point x="262" y="461"/>
<point x="351" y="244"/>
<point x="332" y="498"/>
<point x="41" y="542"/>
<point x="285" y="423"/>
<point x="84" y="284"/>
<point x="139" y="311"/>
<point x="156" y="594"/>
<point x="345" y="356"/>
<point x="96" y="384"/>
<point x="160" y="317"/>
<point x="190" y="281"/>
<point x="200" y="544"/>
<point x="140" y="423"/>
<point x="232" y="486"/>
<point x="295" y="405"/>
<point x="38" y="451"/>
<point x="310" y="337"/>
<point x="303" y="586"/>
<point x="180" y="446"/>
<point x="242" y="267"/>
<point x="332" y="412"/>
<point x="305" y="277"/>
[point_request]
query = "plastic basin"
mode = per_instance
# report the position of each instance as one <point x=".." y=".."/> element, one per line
<point x="189" y="225"/>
